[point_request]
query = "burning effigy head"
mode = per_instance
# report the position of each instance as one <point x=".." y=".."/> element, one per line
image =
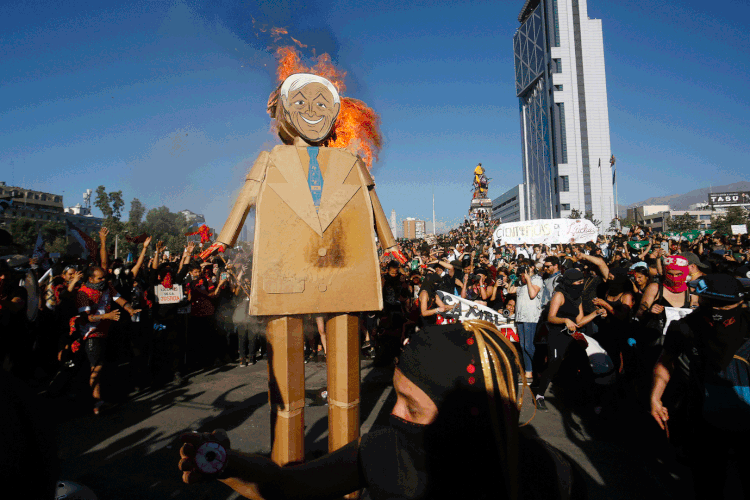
<point x="352" y="125"/>
<point x="309" y="107"/>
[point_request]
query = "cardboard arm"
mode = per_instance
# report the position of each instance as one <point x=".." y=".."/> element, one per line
<point x="381" y="223"/>
<point x="245" y="201"/>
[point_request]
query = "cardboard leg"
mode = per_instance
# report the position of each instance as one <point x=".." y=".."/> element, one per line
<point x="286" y="388"/>
<point x="343" y="380"/>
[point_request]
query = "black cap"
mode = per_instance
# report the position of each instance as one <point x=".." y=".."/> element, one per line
<point x="721" y="287"/>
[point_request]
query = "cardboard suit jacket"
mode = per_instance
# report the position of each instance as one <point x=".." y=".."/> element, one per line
<point x="314" y="262"/>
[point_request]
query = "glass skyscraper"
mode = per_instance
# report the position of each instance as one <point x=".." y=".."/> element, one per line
<point x="562" y="93"/>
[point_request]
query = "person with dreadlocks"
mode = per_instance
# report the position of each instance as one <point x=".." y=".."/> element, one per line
<point x="459" y="376"/>
<point x="564" y="321"/>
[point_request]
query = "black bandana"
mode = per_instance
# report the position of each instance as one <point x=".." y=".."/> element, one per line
<point x="729" y="332"/>
<point x="571" y="292"/>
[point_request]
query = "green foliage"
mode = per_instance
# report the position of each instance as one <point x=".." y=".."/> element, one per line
<point x="137" y="211"/>
<point x="682" y="223"/>
<point x="589" y="215"/>
<point x="575" y="214"/>
<point x="115" y="199"/>
<point x="102" y="202"/>
<point x="109" y="204"/>
<point x="627" y="222"/>
<point x="24" y="233"/>
<point x="734" y="216"/>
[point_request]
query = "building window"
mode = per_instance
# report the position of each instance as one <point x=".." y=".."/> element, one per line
<point x="558" y="87"/>
<point x="705" y="217"/>
<point x="557" y="65"/>
<point x="563" y="135"/>
<point x="565" y="206"/>
<point x="557" y="23"/>
<point x="564" y="183"/>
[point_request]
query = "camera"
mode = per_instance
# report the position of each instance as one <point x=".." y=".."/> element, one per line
<point x="521" y="270"/>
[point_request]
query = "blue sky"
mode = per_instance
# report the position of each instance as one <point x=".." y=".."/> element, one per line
<point x="164" y="100"/>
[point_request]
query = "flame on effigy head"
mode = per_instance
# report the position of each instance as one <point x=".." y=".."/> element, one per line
<point x="357" y="127"/>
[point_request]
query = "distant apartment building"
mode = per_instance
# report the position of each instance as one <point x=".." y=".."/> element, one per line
<point x="43" y="208"/>
<point x="510" y="206"/>
<point x="640" y="213"/>
<point x="192" y="217"/>
<point x="413" y="228"/>
<point x="392" y="223"/>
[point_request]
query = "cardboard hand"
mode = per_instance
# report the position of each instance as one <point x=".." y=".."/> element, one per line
<point x="210" y="250"/>
<point x="397" y="254"/>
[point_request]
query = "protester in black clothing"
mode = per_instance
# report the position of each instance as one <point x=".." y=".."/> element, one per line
<point x="564" y="320"/>
<point x="441" y="385"/>
<point x="712" y="338"/>
<point x="12" y="317"/>
<point x="164" y="285"/>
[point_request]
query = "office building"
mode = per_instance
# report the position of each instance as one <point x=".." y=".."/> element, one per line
<point x="413" y="228"/>
<point x="641" y="213"/>
<point x="192" y="217"/>
<point x="44" y="208"/>
<point x="561" y="87"/>
<point x="509" y="206"/>
<point x="392" y="223"/>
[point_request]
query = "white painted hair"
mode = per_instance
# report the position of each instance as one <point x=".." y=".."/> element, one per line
<point x="299" y="80"/>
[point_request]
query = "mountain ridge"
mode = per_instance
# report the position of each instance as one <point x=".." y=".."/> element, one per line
<point x="683" y="201"/>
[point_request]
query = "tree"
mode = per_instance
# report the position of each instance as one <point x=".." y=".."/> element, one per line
<point x="734" y="216"/>
<point x="627" y="222"/>
<point x="24" y="233"/>
<point x="683" y="223"/>
<point x="137" y="211"/>
<point x="109" y="204"/>
<point x="115" y="198"/>
<point x="589" y="215"/>
<point x="575" y="214"/>
<point x="102" y="202"/>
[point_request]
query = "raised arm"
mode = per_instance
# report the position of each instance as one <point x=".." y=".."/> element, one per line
<point x="141" y="257"/>
<point x="103" y="232"/>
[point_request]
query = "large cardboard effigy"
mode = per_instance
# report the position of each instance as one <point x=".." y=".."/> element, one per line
<point x="315" y="252"/>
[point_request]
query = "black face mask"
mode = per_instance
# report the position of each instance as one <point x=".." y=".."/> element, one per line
<point x="99" y="287"/>
<point x="727" y="335"/>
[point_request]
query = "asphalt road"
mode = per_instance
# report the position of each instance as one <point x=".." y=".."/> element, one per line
<point x="133" y="450"/>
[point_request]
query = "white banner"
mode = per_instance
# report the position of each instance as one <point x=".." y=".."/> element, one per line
<point x="739" y="229"/>
<point x="545" y="232"/>
<point x="168" y="295"/>
<point x="466" y="309"/>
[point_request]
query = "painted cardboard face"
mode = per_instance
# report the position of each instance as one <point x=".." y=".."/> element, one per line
<point x="311" y="111"/>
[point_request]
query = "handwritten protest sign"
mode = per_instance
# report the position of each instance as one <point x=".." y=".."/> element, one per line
<point x="545" y="232"/>
<point x="466" y="310"/>
<point x="168" y="295"/>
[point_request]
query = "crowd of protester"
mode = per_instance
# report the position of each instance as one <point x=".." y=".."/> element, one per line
<point x="173" y="315"/>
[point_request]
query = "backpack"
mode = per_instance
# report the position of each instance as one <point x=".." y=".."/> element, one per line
<point x="725" y="395"/>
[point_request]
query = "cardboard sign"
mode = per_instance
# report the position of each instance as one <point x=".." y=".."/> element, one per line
<point x="739" y="229"/>
<point x="546" y="232"/>
<point x="168" y="295"/>
<point x="674" y="313"/>
<point x="466" y="310"/>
